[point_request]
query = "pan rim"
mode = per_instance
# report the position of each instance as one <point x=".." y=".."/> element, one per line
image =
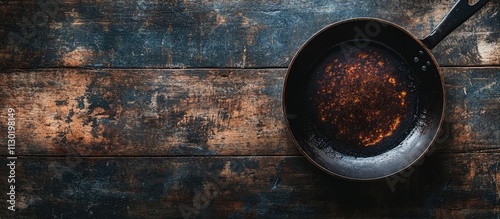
<point x="435" y="134"/>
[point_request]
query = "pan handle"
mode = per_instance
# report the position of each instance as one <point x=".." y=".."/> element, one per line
<point x="458" y="14"/>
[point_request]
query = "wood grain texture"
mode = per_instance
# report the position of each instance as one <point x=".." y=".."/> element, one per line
<point x="199" y="112"/>
<point x="147" y="112"/>
<point x="187" y="34"/>
<point x="473" y="109"/>
<point x="453" y="185"/>
<point x="140" y="109"/>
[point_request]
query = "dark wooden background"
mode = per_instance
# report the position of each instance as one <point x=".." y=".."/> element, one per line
<point x="172" y="109"/>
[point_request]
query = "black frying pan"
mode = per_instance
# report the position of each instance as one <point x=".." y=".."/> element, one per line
<point x="364" y="98"/>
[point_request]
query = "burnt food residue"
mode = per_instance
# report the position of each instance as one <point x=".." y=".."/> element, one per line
<point x="362" y="97"/>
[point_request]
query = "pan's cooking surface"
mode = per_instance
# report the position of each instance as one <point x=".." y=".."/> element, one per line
<point x="363" y="98"/>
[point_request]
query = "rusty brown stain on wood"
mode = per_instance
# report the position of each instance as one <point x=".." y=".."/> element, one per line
<point x="497" y="179"/>
<point x="122" y="112"/>
<point x="78" y="57"/>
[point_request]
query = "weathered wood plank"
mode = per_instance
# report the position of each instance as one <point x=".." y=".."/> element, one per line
<point x="451" y="186"/>
<point x="179" y="34"/>
<point x="473" y="109"/>
<point x="199" y="112"/>
<point x="147" y="112"/>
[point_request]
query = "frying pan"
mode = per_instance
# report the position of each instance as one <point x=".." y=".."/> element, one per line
<point x="364" y="98"/>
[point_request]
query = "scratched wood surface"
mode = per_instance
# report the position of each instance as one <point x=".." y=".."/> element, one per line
<point x="172" y="109"/>
<point x="444" y="186"/>
<point x="186" y="34"/>
<point x="199" y="112"/>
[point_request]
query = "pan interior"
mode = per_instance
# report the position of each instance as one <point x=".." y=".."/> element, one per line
<point x="363" y="99"/>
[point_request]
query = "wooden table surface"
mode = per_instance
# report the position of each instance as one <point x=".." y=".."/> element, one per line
<point x="172" y="109"/>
